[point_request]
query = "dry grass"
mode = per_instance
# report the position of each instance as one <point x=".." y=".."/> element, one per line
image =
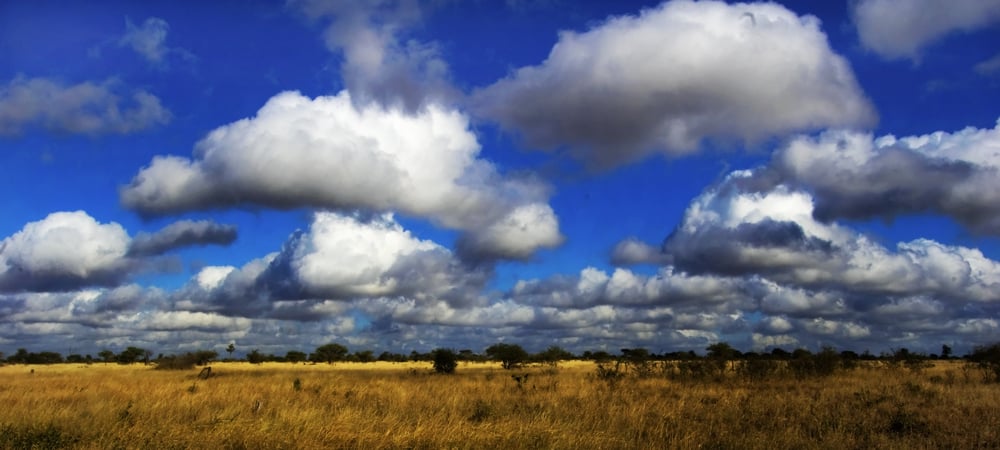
<point x="386" y="405"/>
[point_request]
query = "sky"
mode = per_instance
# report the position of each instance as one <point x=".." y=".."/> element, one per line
<point x="400" y="175"/>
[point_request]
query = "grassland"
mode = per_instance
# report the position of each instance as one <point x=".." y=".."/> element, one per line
<point x="404" y="405"/>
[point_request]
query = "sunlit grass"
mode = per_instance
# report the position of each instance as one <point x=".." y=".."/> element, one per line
<point x="404" y="405"/>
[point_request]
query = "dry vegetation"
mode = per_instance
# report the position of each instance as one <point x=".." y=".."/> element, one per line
<point x="404" y="405"/>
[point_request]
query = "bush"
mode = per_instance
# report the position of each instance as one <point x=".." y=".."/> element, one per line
<point x="987" y="360"/>
<point x="445" y="360"/>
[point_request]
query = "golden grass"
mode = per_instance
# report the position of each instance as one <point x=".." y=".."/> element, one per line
<point x="403" y="405"/>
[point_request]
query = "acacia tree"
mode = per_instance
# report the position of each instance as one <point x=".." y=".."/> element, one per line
<point x="231" y="349"/>
<point x="329" y="353"/>
<point x="509" y="355"/>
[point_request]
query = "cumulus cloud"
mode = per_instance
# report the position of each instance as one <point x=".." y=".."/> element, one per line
<point x="63" y="251"/>
<point x="734" y="232"/>
<point x="896" y="30"/>
<point x="84" y="108"/>
<point x="342" y="258"/>
<point x="854" y="175"/>
<point x="327" y="153"/>
<point x="67" y="251"/>
<point x="379" y="63"/>
<point x="631" y="251"/>
<point x="180" y="234"/>
<point x="675" y="76"/>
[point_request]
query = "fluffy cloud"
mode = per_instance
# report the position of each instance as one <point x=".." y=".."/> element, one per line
<point x="180" y="234"/>
<point x="856" y="176"/>
<point x="341" y="257"/>
<point x="379" y="64"/>
<point x="896" y="29"/>
<point x="729" y="231"/>
<point x="64" y="251"/>
<point x="84" y="108"/>
<point x="689" y="72"/>
<point x="327" y="153"/>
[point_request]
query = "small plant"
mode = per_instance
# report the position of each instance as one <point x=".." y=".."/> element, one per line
<point x="480" y="411"/>
<point x="297" y="385"/>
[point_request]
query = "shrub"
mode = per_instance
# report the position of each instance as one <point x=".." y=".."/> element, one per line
<point x="445" y="360"/>
<point x="987" y="360"/>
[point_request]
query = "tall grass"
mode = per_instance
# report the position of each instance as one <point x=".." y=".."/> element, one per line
<point x="391" y="405"/>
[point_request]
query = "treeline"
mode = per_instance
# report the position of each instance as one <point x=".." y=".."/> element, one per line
<point x="513" y="355"/>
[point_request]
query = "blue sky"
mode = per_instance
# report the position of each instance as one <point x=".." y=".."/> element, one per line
<point x="404" y="175"/>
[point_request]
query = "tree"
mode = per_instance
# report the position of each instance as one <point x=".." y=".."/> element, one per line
<point x="329" y="353"/>
<point x="509" y="355"/>
<point x="945" y="351"/>
<point x="231" y="349"/>
<point x="294" y="356"/>
<point x="445" y="360"/>
<point x="106" y="355"/>
<point x="255" y="357"/>
<point x="365" y="356"/>
<point x="554" y="354"/>
<point x="131" y="355"/>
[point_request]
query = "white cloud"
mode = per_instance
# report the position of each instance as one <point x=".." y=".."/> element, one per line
<point x="62" y="251"/>
<point x="855" y="175"/>
<point x="675" y="76"/>
<point x="148" y="40"/>
<point x="379" y="63"/>
<point x="772" y="234"/>
<point x="84" y="108"/>
<point x="327" y="153"/>
<point x="900" y="29"/>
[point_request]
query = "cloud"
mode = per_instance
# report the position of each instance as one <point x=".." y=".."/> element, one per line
<point x="64" y="251"/>
<point x="853" y="175"/>
<point x="379" y="64"/>
<point x="632" y="251"/>
<point x="989" y="67"/>
<point x="327" y="153"/>
<point x="181" y="234"/>
<point x="84" y="108"/>
<point x="676" y="76"/>
<point x="342" y="258"/>
<point x="148" y="40"/>
<point x="773" y="234"/>
<point x="68" y="251"/>
<point x="897" y="30"/>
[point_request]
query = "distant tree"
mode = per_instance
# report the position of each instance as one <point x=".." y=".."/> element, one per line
<point x="203" y="357"/>
<point x="945" y="351"/>
<point x="389" y="356"/>
<point x="329" y="353"/>
<point x="230" y="349"/>
<point x="295" y="356"/>
<point x="509" y="355"/>
<point x="255" y="357"/>
<point x="780" y="353"/>
<point x="445" y="360"/>
<point x="365" y="356"/>
<point x="75" y="359"/>
<point x="106" y="355"/>
<point x="554" y="354"/>
<point x="131" y="355"/>
<point x="19" y="357"/>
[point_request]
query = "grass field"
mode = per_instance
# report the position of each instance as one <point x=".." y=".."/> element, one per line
<point x="404" y="405"/>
